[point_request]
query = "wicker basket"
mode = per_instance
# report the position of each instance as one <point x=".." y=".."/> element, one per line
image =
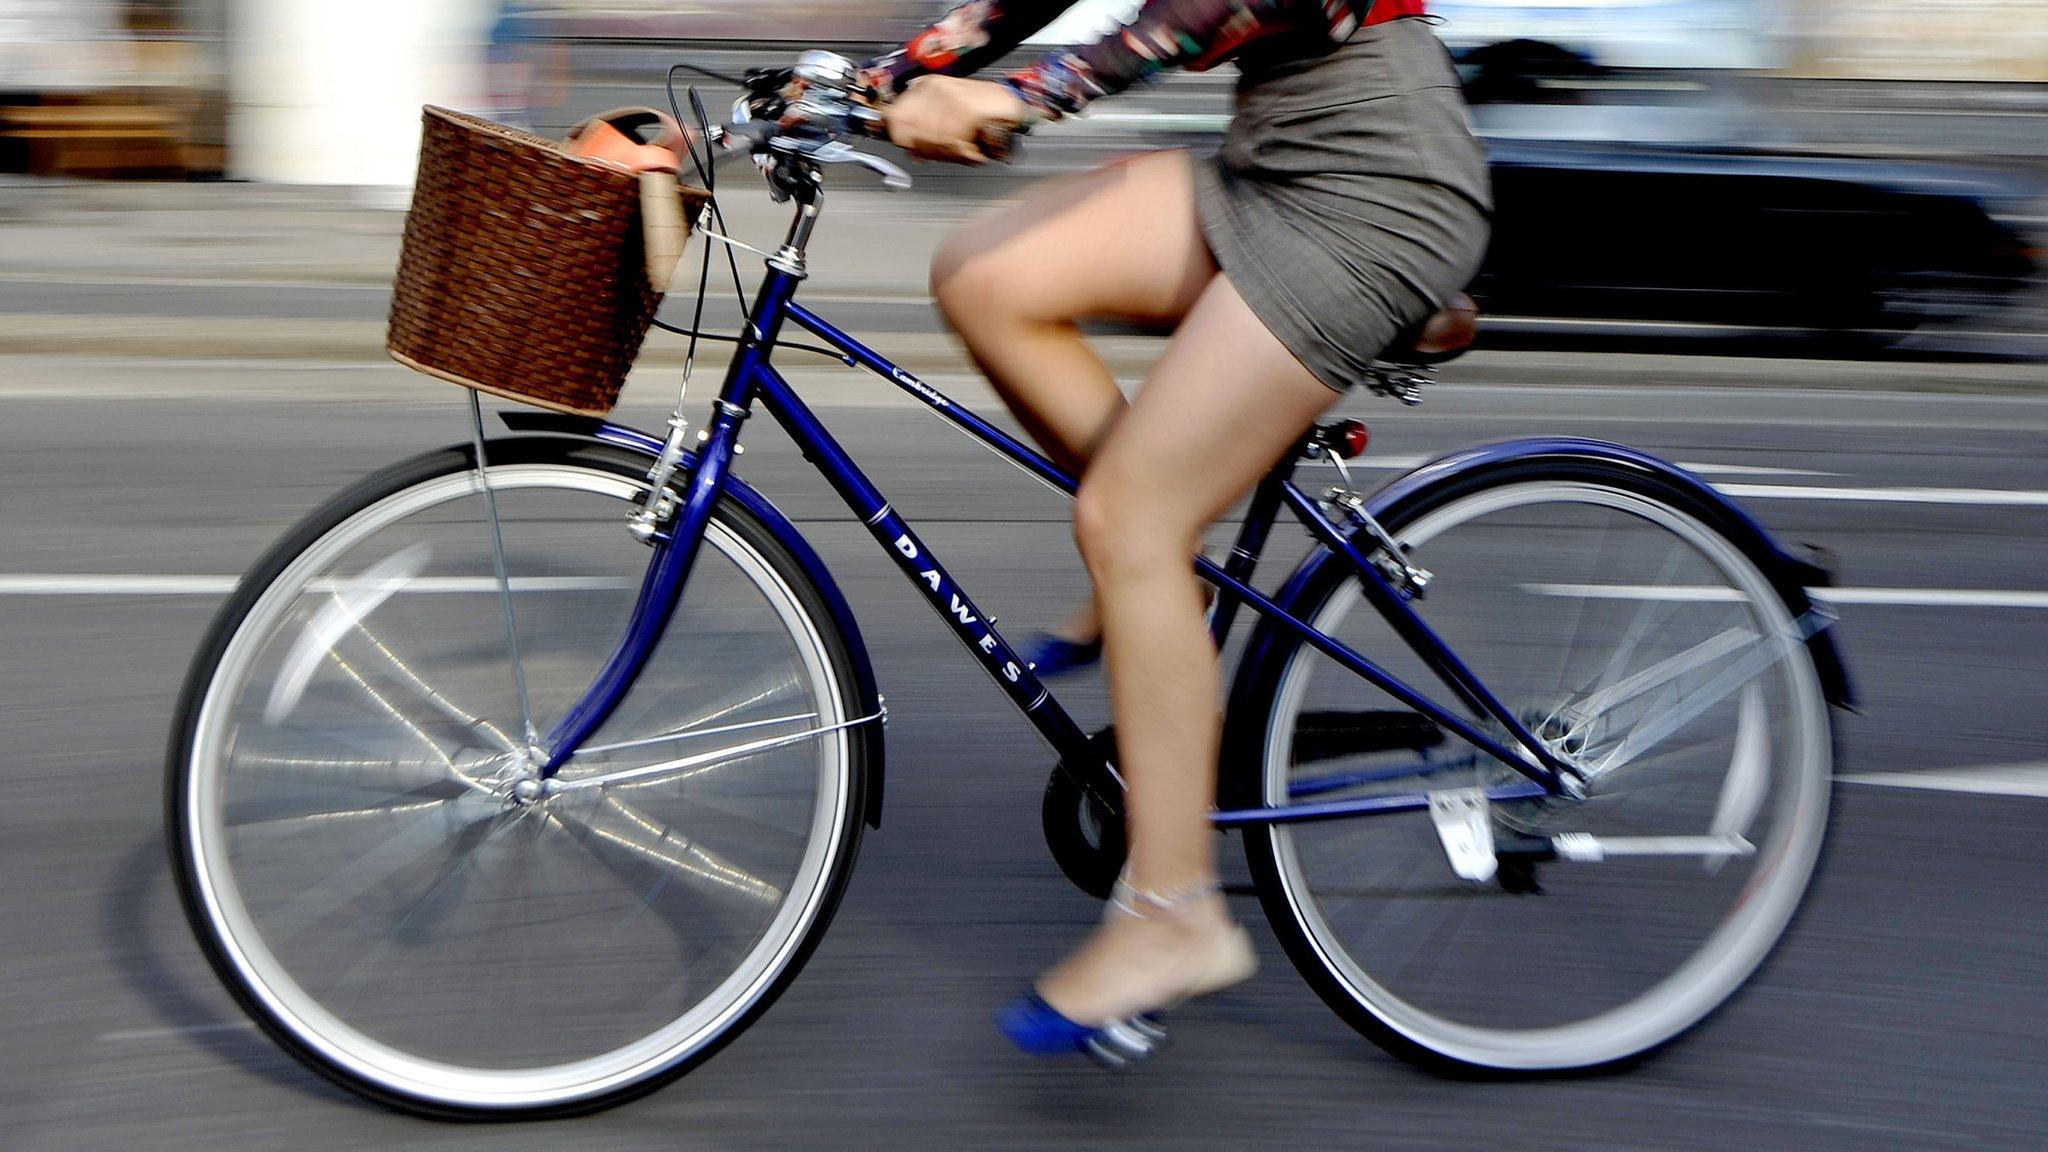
<point x="524" y="272"/>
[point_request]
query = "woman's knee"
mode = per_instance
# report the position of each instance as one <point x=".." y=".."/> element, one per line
<point x="968" y="278"/>
<point x="1120" y="531"/>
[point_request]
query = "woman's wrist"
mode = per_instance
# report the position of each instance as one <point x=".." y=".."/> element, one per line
<point x="1051" y="87"/>
<point x="885" y="76"/>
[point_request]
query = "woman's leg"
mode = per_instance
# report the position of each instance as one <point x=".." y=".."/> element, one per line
<point x="1119" y="242"/>
<point x="1229" y="396"/>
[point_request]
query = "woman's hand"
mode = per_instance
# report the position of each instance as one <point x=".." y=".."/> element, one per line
<point x="946" y="117"/>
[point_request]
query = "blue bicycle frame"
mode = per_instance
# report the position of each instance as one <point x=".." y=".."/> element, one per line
<point x="751" y="379"/>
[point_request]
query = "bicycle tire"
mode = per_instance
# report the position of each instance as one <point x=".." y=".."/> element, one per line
<point x="861" y="744"/>
<point x="1247" y="770"/>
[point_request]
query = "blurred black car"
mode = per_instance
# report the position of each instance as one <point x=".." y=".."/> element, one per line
<point x="1611" y="207"/>
<point x="1862" y="248"/>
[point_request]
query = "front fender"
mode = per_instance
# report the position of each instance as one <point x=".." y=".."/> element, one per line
<point x="1790" y="575"/>
<point x="634" y="440"/>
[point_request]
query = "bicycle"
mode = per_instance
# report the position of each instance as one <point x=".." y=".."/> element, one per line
<point x="423" y="894"/>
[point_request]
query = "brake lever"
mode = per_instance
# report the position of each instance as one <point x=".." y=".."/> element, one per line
<point x="839" y="152"/>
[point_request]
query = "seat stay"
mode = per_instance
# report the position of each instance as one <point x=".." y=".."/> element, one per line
<point x="1394" y="607"/>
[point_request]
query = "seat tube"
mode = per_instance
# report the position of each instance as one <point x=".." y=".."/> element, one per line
<point x="1245" y="551"/>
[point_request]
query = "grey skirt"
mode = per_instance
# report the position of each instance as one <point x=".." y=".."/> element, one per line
<point x="1349" y="199"/>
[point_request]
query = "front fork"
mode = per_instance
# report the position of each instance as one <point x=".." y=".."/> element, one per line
<point x="676" y="547"/>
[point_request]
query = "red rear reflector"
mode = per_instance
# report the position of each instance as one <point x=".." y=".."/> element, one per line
<point x="1353" y="437"/>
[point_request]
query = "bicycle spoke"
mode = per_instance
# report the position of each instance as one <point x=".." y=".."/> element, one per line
<point x="1640" y="740"/>
<point x="404" y="721"/>
<point x="685" y="767"/>
<point x="1571" y="648"/>
<point x="429" y="830"/>
<point x="263" y="820"/>
<point x="346" y="607"/>
<point x="411" y="679"/>
<point x="1658" y="675"/>
<point x="653" y="842"/>
<point x="1647" y="616"/>
<point x="694" y="733"/>
<point x="463" y="858"/>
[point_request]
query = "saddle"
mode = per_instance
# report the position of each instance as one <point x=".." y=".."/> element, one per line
<point x="1444" y="335"/>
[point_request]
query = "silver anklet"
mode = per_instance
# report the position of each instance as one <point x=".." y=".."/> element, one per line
<point x="1143" y="905"/>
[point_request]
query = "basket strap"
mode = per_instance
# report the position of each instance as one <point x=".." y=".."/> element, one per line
<point x="663" y="226"/>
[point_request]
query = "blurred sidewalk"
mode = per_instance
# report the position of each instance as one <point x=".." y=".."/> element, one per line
<point x="172" y="274"/>
<point x="263" y="271"/>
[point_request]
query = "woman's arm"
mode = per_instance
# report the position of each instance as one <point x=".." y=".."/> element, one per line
<point x="1164" y="34"/>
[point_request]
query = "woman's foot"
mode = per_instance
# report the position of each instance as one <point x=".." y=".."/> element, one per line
<point x="1152" y="951"/>
<point x="1074" y="644"/>
<point x="1051" y="654"/>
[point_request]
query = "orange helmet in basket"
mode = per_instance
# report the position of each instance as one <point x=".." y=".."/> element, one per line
<point x="636" y="139"/>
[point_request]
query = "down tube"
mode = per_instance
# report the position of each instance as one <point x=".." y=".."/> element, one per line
<point x="974" y="628"/>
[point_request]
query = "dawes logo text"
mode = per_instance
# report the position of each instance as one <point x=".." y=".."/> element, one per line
<point x="949" y="601"/>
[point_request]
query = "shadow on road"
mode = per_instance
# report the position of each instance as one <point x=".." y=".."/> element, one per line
<point x="135" y="934"/>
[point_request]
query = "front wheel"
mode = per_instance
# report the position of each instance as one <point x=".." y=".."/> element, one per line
<point x="354" y="824"/>
<point x="1605" y="609"/>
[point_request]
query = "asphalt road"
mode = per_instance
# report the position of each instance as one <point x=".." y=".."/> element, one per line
<point x="1907" y="1011"/>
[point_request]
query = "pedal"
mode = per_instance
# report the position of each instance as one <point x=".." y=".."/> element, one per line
<point x="1464" y="826"/>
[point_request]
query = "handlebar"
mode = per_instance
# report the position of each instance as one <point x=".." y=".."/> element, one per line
<point x="808" y="111"/>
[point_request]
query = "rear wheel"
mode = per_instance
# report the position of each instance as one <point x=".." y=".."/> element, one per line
<point x="1633" y="637"/>
<point x="349" y="829"/>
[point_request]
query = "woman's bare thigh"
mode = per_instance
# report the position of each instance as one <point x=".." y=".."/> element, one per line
<point x="1120" y="241"/>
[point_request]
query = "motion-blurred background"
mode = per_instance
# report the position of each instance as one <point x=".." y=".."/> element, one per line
<point x="1796" y="245"/>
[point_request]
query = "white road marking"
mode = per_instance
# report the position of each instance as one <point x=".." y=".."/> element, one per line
<point x="1705" y="469"/>
<point x="92" y="584"/>
<point x="89" y="585"/>
<point x="1998" y="497"/>
<point x="1886" y="597"/>
<point x="1979" y="780"/>
<point x="134" y="1034"/>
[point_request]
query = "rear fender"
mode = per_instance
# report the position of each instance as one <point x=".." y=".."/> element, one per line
<point x="636" y="441"/>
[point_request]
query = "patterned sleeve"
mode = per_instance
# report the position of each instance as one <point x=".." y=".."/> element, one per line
<point x="964" y="41"/>
<point x="1164" y="34"/>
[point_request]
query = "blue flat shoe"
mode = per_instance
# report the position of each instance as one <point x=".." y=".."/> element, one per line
<point x="1051" y="655"/>
<point x="1038" y="1029"/>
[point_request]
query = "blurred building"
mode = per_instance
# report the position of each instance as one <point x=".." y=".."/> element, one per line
<point x="328" y="91"/>
<point x="1927" y="40"/>
<point x="92" y="87"/>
